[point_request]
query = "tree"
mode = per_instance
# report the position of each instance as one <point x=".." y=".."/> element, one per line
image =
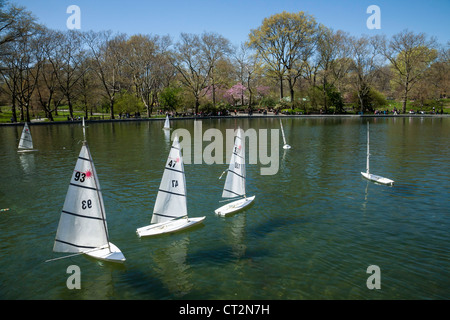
<point x="15" y="23"/>
<point x="194" y="70"/>
<point x="248" y="68"/>
<point x="71" y="55"/>
<point x="105" y="53"/>
<point x="331" y="49"/>
<point x="170" y="97"/>
<point x="410" y="56"/>
<point x="365" y="62"/>
<point x="214" y="47"/>
<point x="285" y="41"/>
<point x="48" y="85"/>
<point x="17" y="27"/>
<point x="147" y="64"/>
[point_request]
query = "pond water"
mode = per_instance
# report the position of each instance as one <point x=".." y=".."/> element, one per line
<point x="314" y="229"/>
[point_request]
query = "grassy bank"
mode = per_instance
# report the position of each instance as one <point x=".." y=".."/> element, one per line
<point x="63" y="114"/>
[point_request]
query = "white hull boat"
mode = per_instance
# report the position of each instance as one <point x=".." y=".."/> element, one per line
<point x="168" y="227"/>
<point x="110" y="253"/>
<point x="377" y="179"/>
<point x="170" y="210"/>
<point x="82" y="227"/>
<point x="235" y="181"/>
<point x="234" y="206"/>
<point x="370" y="176"/>
<point x="285" y="146"/>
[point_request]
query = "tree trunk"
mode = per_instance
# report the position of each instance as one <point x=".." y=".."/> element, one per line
<point x="291" y="91"/>
<point x="325" y="104"/>
<point x="405" y="97"/>
<point x="13" y="108"/>
<point x="111" y="106"/>
<point x="361" y="101"/>
<point x="197" y="104"/>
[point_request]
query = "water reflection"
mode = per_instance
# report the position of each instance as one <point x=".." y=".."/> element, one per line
<point x="27" y="162"/>
<point x="172" y="267"/>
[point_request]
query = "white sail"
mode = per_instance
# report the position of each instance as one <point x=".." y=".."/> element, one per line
<point x="167" y="123"/>
<point x="235" y="181"/>
<point x="82" y="225"/>
<point x="171" y="199"/>
<point x="26" y="142"/>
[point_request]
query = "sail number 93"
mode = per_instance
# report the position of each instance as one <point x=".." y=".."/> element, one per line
<point x="79" y="176"/>
<point x="86" y="204"/>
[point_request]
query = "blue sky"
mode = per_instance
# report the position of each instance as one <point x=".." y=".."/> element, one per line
<point x="234" y="19"/>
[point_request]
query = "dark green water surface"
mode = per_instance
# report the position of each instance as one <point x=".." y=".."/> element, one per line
<point x="314" y="229"/>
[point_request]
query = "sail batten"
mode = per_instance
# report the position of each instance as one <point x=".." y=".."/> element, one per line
<point x="82" y="216"/>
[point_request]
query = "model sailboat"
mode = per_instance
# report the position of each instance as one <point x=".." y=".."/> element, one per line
<point x="370" y="176"/>
<point x="167" y="123"/>
<point x="82" y="226"/>
<point x="26" y="142"/>
<point x="170" y="210"/>
<point x="235" y="181"/>
<point x="286" y="146"/>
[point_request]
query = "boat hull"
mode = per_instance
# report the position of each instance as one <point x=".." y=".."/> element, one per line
<point x="234" y="206"/>
<point x="286" y="146"/>
<point x="110" y="254"/>
<point x="377" y="179"/>
<point x="168" y="227"/>
<point x="26" y="150"/>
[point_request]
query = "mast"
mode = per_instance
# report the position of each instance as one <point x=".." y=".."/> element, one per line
<point x="368" y="152"/>
<point x="97" y="187"/>
<point x="282" y="132"/>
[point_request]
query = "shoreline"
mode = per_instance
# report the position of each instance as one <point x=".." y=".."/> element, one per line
<point x="258" y="116"/>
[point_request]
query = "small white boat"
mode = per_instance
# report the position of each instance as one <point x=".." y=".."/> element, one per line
<point x="170" y="211"/>
<point x="370" y="176"/>
<point x="108" y="252"/>
<point x="235" y="182"/>
<point x="171" y="226"/>
<point x="26" y="141"/>
<point x="82" y="227"/>
<point x="234" y="206"/>
<point x="285" y="146"/>
<point x="167" y="123"/>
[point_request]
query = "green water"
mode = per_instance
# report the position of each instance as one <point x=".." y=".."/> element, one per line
<point x="313" y="230"/>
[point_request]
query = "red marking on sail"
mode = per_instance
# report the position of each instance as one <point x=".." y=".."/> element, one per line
<point x="88" y="173"/>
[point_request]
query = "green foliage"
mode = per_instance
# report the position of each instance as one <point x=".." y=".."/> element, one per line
<point x="267" y="102"/>
<point x="127" y="103"/>
<point x="335" y="99"/>
<point x="373" y="100"/>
